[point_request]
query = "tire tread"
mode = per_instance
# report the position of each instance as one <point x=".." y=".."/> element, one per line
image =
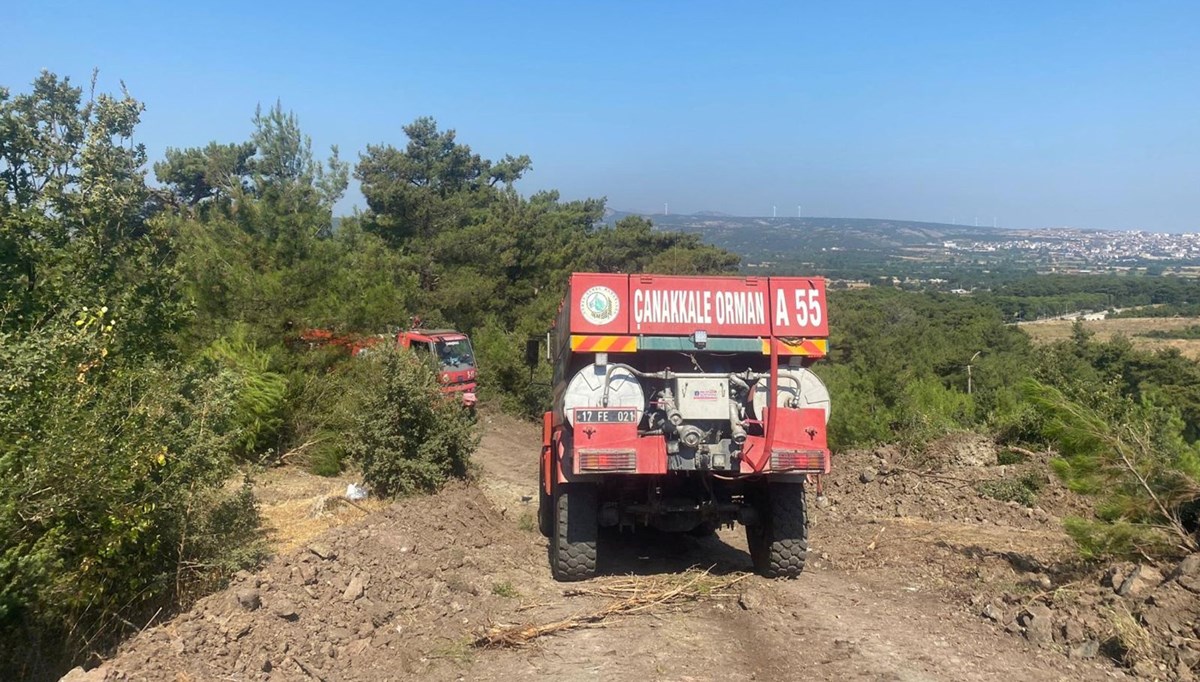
<point x="573" y="548"/>
<point x="779" y="543"/>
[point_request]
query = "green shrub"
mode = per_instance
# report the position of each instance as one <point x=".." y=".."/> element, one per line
<point x="503" y="373"/>
<point x="261" y="393"/>
<point x="859" y="416"/>
<point x="1006" y="457"/>
<point x="112" y="490"/>
<point x="1098" y="539"/>
<point x="1132" y="458"/>
<point x="506" y="590"/>
<point x="1188" y="332"/>
<point x="324" y="394"/>
<point x="407" y="436"/>
<point x="1023" y="489"/>
<point x="326" y="457"/>
<point x="1014" y="419"/>
<point x="929" y="409"/>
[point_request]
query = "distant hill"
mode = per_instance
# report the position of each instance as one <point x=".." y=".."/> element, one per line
<point x="808" y="233"/>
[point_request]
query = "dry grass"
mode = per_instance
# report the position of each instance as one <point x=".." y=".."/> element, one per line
<point x="631" y="595"/>
<point x="297" y="506"/>
<point x="1135" y="641"/>
<point x="1050" y="331"/>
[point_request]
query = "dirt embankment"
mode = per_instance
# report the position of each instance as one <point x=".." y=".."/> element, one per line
<point x="916" y="575"/>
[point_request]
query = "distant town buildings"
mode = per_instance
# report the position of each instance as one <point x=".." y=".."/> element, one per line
<point x="1077" y="250"/>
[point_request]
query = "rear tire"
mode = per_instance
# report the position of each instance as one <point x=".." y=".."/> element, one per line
<point x="545" y="506"/>
<point x="779" y="541"/>
<point x="573" y="547"/>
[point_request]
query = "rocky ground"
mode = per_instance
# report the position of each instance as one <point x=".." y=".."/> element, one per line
<point x="917" y="573"/>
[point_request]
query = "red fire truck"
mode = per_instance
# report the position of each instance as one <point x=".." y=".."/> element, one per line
<point x="449" y="353"/>
<point x="452" y="356"/>
<point x="684" y="404"/>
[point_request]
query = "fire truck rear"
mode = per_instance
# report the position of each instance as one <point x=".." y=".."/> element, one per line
<point x="684" y="404"/>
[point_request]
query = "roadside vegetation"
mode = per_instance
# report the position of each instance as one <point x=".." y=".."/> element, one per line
<point x="149" y="352"/>
<point x="1125" y="422"/>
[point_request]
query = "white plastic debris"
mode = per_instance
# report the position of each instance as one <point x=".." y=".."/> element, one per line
<point x="355" y="493"/>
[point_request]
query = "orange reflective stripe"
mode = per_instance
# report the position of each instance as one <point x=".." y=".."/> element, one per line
<point x="604" y="344"/>
<point x="805" y="347"/>
<point x="624" y="344"/>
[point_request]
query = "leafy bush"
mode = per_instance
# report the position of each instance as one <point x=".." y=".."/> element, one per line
<point x="929" y="409"/>
<point x="260" y="392"/>
<point x="898" y="365"/>
<point x="858" y="416"/>
<point x="503" y="374"/>
<point x="112" y="489"/>
<point x="407" y="436"/>
<point x="1015" y="420"/>
<point x="324" y="387"/>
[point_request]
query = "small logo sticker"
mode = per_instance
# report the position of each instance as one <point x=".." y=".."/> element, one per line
<point x="599" y="305"/>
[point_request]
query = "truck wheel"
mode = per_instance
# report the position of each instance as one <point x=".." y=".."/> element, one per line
<point x="545" y="506"/>
<point x="573" y="547"/>
<point x="779" y="541"/>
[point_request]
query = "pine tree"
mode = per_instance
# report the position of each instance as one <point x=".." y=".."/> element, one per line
<point x="1132" y="458"/>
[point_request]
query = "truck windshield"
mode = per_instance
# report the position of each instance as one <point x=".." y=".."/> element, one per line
<point x="455" y="355"/>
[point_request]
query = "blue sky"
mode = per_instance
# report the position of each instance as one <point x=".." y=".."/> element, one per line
<point x="1037" y="114"/>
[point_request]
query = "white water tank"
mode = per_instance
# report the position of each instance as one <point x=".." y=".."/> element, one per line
<point x="586" y="389"/>
<point x="794" y="382"/>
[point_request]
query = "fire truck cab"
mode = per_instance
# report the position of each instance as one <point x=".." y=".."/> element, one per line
<point x="451" y="355"/>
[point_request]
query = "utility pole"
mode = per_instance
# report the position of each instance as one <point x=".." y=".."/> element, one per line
<point x="969" y="370"/>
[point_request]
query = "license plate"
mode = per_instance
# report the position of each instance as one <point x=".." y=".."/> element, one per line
<point x="607" y="415"/>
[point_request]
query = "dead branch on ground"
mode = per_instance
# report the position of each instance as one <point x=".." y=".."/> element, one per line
<point x="633" y="595"/>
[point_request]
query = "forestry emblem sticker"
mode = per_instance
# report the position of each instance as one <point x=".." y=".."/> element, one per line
<point x="599" y="305"/>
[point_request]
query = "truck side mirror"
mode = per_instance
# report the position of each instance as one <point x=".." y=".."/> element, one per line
<point x="532" y="347"/>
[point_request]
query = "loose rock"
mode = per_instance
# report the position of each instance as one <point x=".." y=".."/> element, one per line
<point x="323" y="551"/>
<point x="750" y="599"/>
<point x="285" y="610"/>
<point x="1037" y="619"/>
<point x="1189" y="566"/>
<point x="1087" y="649"/>
<point x="354" y="590"/>
<point x="1142" y="580"/>
<point x="249" y="599"/>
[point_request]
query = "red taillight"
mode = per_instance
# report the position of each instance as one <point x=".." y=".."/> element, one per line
<point x="607" y="460"/>
<point x="802" y="460"/>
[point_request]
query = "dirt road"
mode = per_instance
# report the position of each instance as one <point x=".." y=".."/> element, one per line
<point x="894" y="591"/>
<point x="898" y="618"/>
